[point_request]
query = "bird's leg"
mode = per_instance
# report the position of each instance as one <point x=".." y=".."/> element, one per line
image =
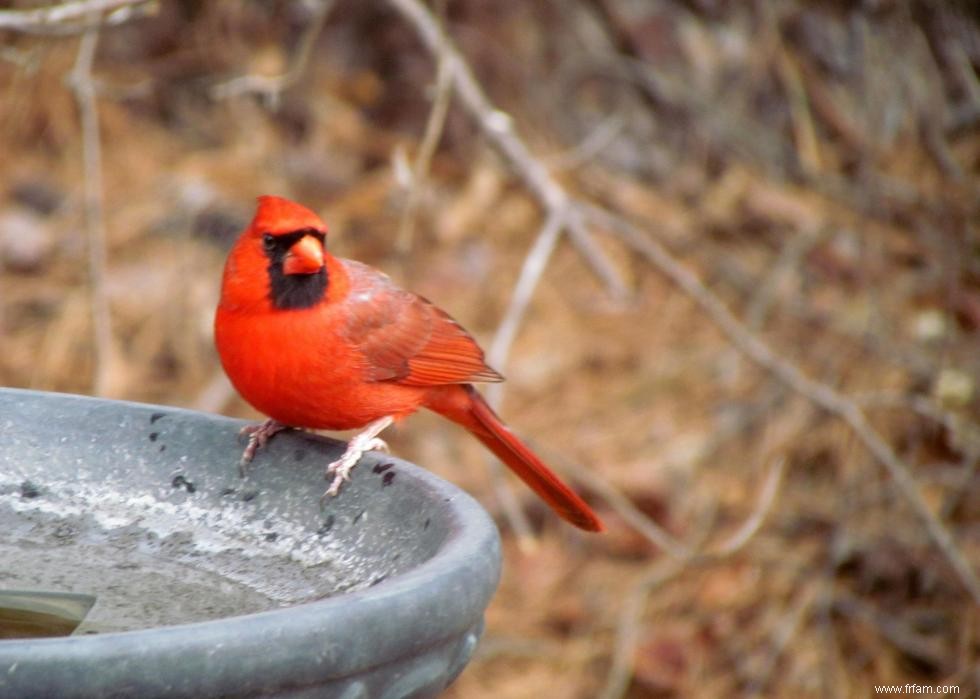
<point x="258" y="437"/>
<point x="363" y="441"/>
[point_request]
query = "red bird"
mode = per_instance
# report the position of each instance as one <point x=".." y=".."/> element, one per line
<point x="318" y="342"/>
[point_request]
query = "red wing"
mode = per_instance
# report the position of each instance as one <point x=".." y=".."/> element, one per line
<point x="404" y="338"/>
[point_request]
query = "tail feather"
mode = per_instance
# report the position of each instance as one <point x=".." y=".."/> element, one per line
<point x="473" y="413"/>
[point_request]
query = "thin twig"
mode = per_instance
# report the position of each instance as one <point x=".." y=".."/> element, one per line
<point x="511" y="507"/>
<point x="534" y="265"/>
<point x="624" y="507"/>
<point x="684" y="556"/>
<point x="494" y="122"/>
<point x="630" y="616"/>
<point x="498" y="127"/>
<point x="271" y="87"/>
<point x="433" y="132"/>
<point x="751" y="526"/>
<point x="587" y="246"/>
<point x="801" y="118"/>
<point x="787" y="261"/>
<point x="821" y="394"/>
<point x="962" y="430"/>
<point x="784" y="633"/>
<point x="660" y="537"/>
<point x="893" y="628"/>
<point x="963" y="433"/>
<point x="605" y="132"/>
<point x="628" y="629"/>
<point x="60" y="15"/>
<point x="80" y="80"/>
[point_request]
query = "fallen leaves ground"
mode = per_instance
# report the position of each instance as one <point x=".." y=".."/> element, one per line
<point x="815" y="164"/>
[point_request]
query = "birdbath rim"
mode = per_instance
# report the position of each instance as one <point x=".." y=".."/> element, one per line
<point x="429" y="615"/>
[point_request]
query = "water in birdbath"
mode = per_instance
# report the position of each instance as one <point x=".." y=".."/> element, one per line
<point x="154" y="562"/>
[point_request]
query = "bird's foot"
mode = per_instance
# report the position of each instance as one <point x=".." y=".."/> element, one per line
<point x="364" y="441"/>
<point x="258" y="437"/>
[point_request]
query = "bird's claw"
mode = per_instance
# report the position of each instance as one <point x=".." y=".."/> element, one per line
<point x="340" y="469"/>
<point x="258" y="437"/>
<point x="354" y="453"/>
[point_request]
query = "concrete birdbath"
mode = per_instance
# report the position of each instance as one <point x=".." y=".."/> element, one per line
<point x="209" y="585"/>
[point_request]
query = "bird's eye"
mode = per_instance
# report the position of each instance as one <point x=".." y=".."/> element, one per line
<point x="269" y="242"/>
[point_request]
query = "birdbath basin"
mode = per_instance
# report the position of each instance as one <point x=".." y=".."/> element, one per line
<point x="211" y="585"/>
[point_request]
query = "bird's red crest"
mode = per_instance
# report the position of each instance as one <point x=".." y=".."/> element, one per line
<point x="279" y="215"/>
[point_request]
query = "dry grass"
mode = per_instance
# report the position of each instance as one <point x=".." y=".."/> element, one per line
<point x="816" y="166"/>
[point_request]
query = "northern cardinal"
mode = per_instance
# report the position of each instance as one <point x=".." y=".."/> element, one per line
<point x="314" y="341"/>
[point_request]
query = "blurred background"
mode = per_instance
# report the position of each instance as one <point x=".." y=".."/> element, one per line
<point x="816" y="165"/>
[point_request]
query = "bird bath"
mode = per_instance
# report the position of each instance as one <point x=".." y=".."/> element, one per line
<point x="208" y="584"/>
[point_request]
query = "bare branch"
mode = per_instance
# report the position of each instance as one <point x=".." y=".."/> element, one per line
<point x="630" y="616"/>
<point x="751" y="526"/>
<point x="594" y="143"/>
<point x="433" y="132"/>
<point x="60" y="16"/>
<point x="683" y="557"/>
<point x="785" y="631"/>
<point x="497" y="126"/>
<point x="271" y="87"/>
<point x="643" y="524"/>
<point x="963" y="433"/>
<point x="894" y="628"/>
<point x="511" y="507"/>
<point x="80" y="80"/>
<point x="628" y="629"/>
<point x="821" y="394"/>
<point x="535" y="263"/>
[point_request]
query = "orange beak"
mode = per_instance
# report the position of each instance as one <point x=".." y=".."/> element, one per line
<point x="304" y="257"/>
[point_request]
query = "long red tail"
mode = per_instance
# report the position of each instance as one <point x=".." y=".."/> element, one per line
<point x="465" y="406"/>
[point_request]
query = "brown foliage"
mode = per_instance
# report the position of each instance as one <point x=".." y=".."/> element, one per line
<point x="818" y="165"/>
